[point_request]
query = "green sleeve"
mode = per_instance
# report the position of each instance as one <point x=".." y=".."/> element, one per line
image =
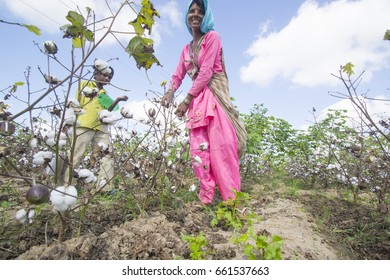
<point x="105" y="101"/>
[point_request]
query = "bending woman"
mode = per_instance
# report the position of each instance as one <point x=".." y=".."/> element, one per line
<point x="217" y="136"/>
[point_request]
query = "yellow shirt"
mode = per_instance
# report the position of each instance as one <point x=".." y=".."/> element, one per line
<point x="91" y="106"/>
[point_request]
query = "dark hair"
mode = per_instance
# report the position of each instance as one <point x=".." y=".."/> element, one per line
<point x="200" y="3"/>
<point x="112" y="71"/>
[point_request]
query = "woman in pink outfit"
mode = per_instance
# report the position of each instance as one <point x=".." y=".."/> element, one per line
<point x="217" y="136"/>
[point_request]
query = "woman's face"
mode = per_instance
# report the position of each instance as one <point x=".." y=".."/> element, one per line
<point x="195" y="16"/>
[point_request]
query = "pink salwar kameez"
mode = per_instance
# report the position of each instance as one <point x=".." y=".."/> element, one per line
<point x="213" y="141"/>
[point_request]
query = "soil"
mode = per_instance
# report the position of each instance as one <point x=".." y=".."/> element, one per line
<point x="314" y="226"/>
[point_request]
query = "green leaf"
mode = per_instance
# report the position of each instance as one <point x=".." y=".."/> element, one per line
<point x="77" y="43"/>
<point x="387" y="35"/>
<point x="76" y="19"/>
<point x="348" y="69"/>
<point x="33" y="29"/>
<point x="148" y="12"/>
<point x="88" y="34"/>
<point x="248" y="248"/>
<point x="141" y="49"/>
<point x="138" y="25"/>
<point x="15" y="86"/>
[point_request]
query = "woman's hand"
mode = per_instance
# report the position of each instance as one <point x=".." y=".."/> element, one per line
<point x="181" y="110"/>
<point x="167" y="99"/>
<point x="183" y="107"/>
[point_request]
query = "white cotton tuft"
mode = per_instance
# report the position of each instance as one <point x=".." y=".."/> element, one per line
<point x="71" y="197"/>
<point x="73" y="103"/>
<point x="103" y="146"/>
<point x="38" y="161"/>
<point x="31" y="215"/>
<point x="192" y="188"/>
<point x="60" y="207"/>
<point x="102" y="183"/>
<point x="126" y="111"/>
<point x="50" y="142"/>
<point x="70" y="116"/>
<point x="21" y="216"/>
<point x="197" y="159"/>
<point x="101" y="64"/>
<point x="57" y="197"/>
<point x="63" y="198"/>
<point x="89" y="92"/>
<point x="84" y="173"/>
<point x="33" y="142"/>
<point x="204" y="146"/>
<point x="165" y="154"/>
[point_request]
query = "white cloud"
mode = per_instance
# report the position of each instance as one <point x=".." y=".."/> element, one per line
<point x="318" y="40"/>
<point x="49" y="15"/>
<point x="377" y="107"/>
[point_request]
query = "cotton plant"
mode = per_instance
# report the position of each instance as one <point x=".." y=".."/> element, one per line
<point x="63" y="198"/>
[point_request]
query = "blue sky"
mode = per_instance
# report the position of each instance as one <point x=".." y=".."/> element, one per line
<point x="278" y="53"/>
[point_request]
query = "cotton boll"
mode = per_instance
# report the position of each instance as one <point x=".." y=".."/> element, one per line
<point x="90" y="179"/>
<point x="108" y="120"/>
<point x="84" y="173"/>
<point x="103" y="146"/>
<point x="70" y="116"/>
<point x="50" y="47"/>
<point x="165" y="154"/>
<point x="89" y="92"/>
<point x="73" y="103"/>
<point x="51" y="134"/>
<point x="31" y="215"/>
<point x="79" y="111"/>
<point x="106" y="70"/>
<point x="71" y="197"/>
<point x="21" y="216"/>
<point x="101" y="64"/>
<point x="197" y="159"/>
<point x="61" y="143"/>
<point x="192" y="188"/>
<point x="33" y="143"/>
<point x="102" y="183"/>
<point x="126" y="111"/>
<point x="204" y="146"/>
<point x="47" y="155"/>
<point x="57" y="197"/>
<point x="104" y="114"/>
<point x="38" y="161"/>
<point x="50" y="142"/>
<point x="60" y="207"/>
